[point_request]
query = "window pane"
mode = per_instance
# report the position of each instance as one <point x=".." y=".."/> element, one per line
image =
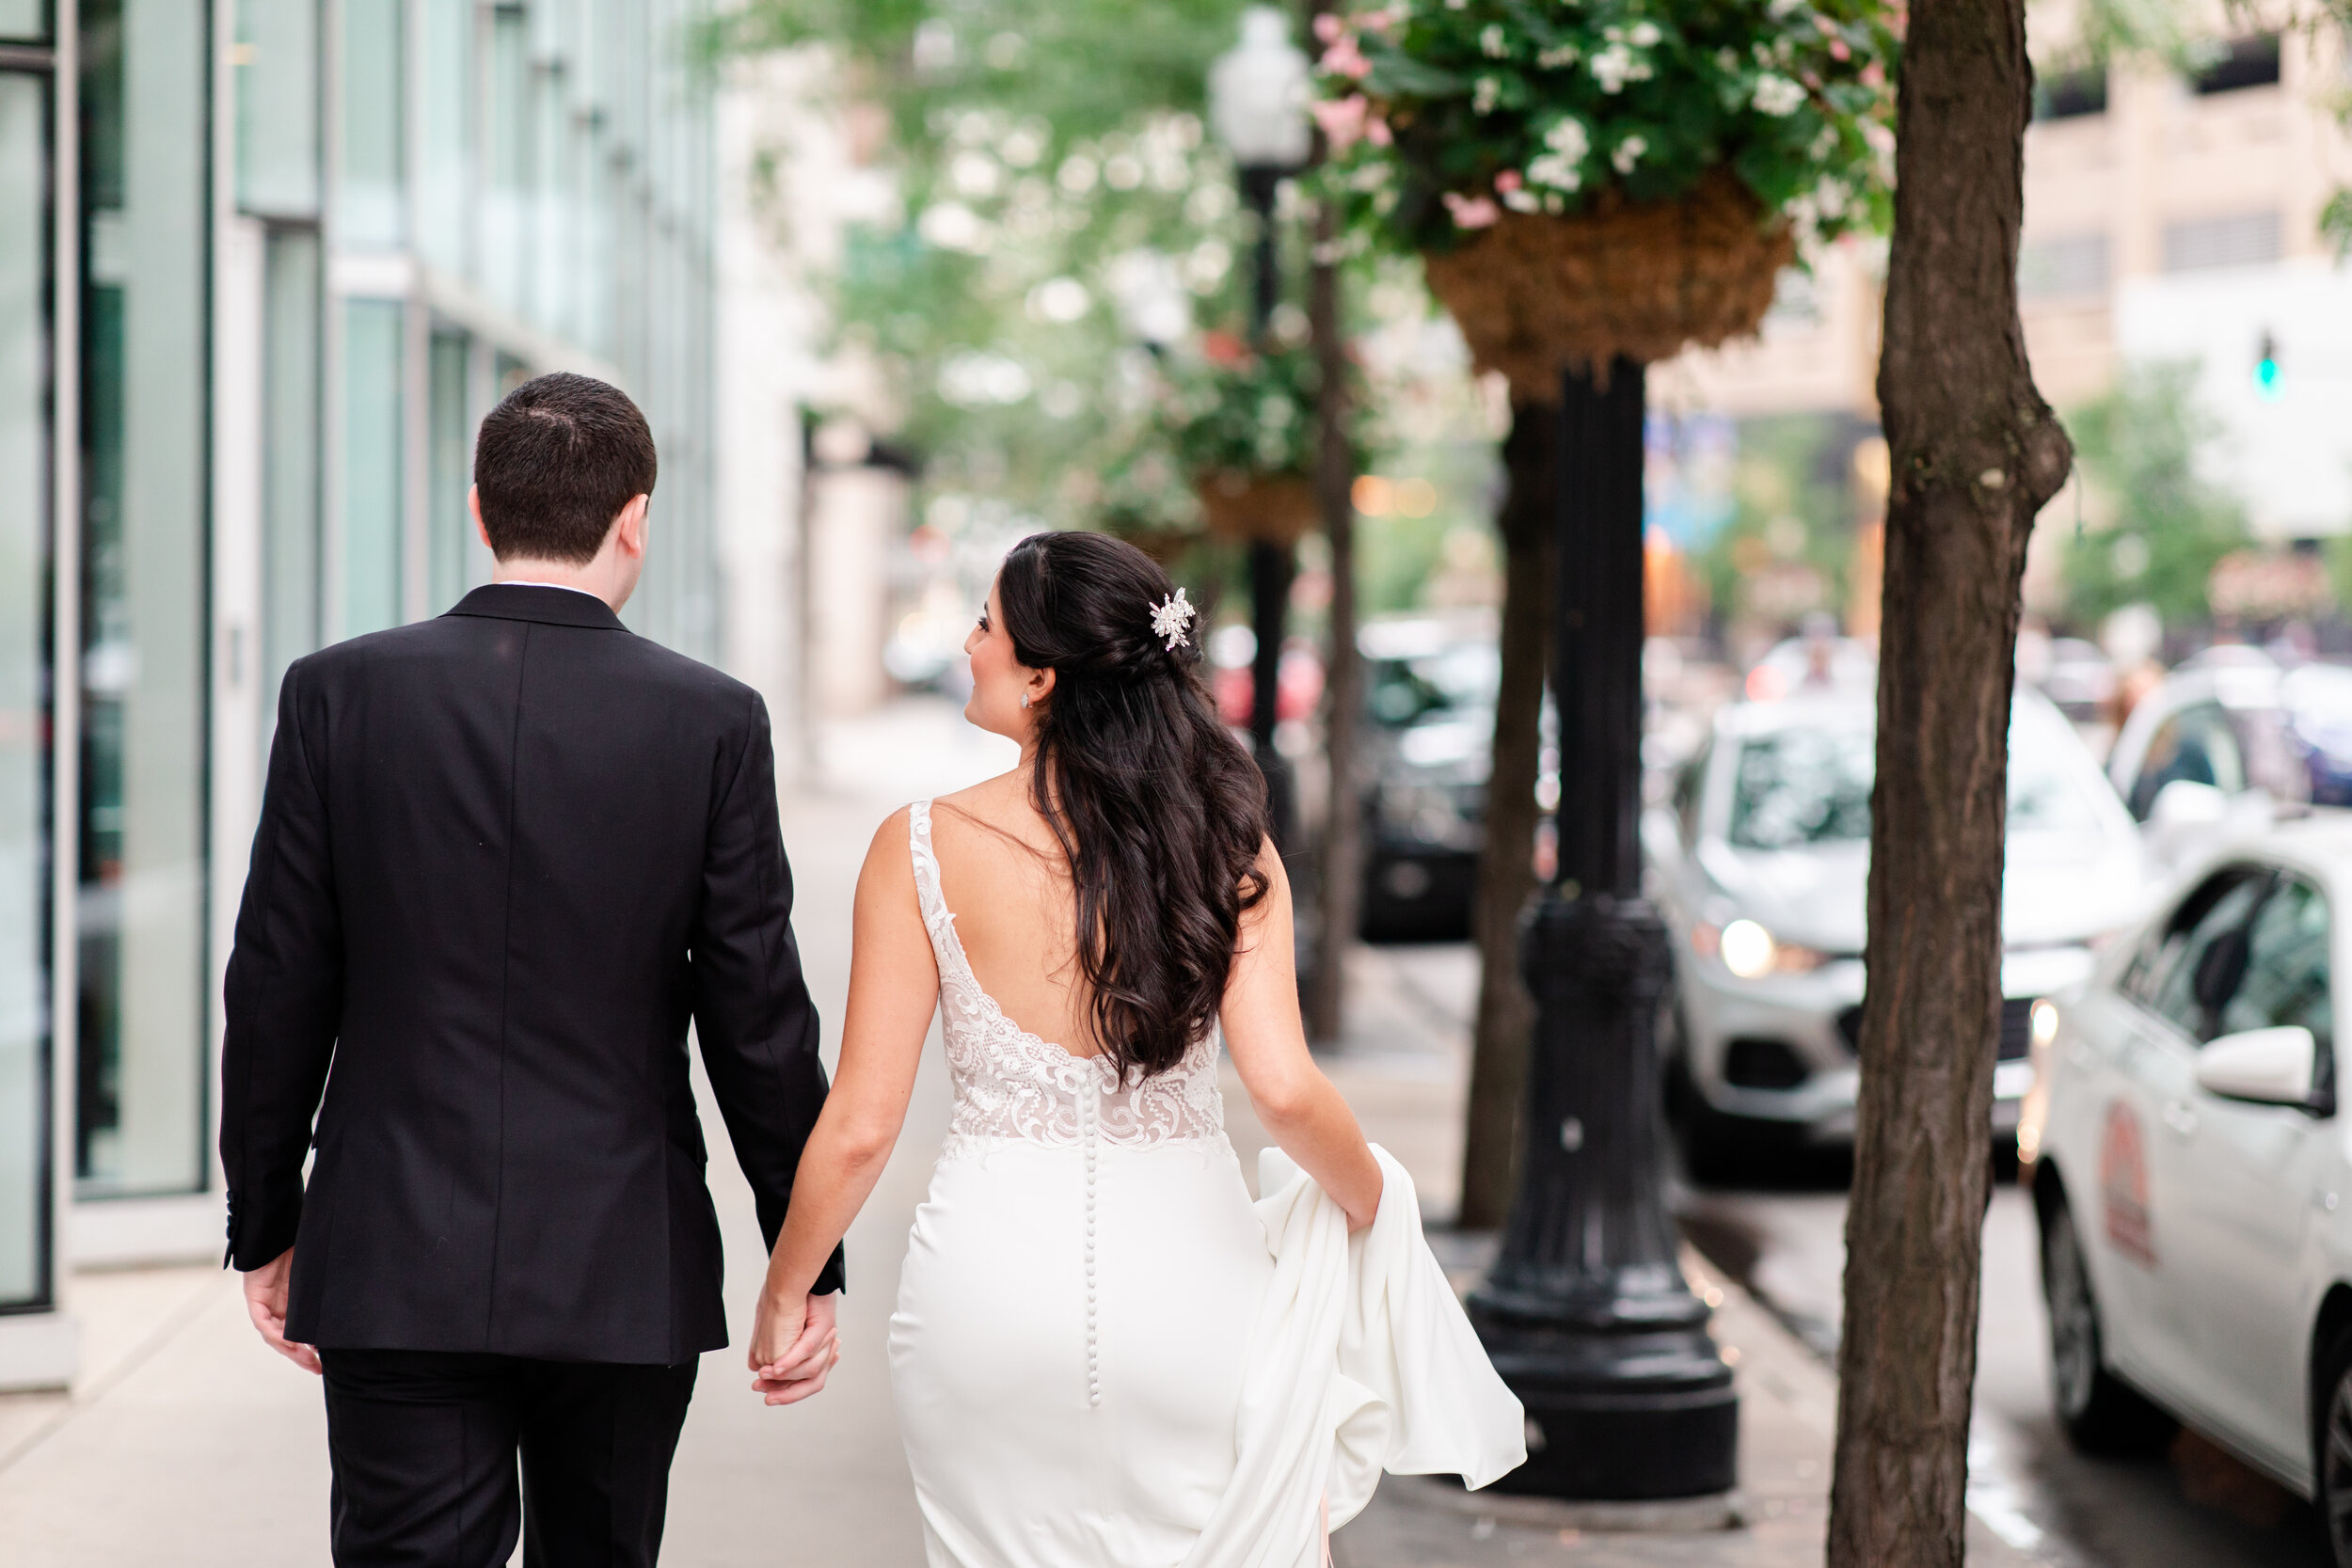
<point x="23" y="19"/>
<point x="289" y="454"/>
<point x="445" y="174"/>
<point x="373" y="124"/>
<point x="506" y="208"/>
<point x="453" y="466"/>
<point x="373" y="334"/>
<point x="2207" y="962"/>
<point x="2286" y="967"/>
<point x="23" y="675"/>
<point x="141" y="1063"/>
<point x="277" y="62"/>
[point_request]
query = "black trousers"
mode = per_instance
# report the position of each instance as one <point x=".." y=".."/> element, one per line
<point x="424" y="1445"/>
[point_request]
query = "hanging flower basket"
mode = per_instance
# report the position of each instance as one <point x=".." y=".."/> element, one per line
<point x="1536" y="293"/>
<point x="1274" y="509"/>
<point x="1165" y="545"/>
<point x="1589" y="181"/>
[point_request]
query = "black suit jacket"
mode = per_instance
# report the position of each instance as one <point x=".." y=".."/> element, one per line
<point x="503" y="857"/>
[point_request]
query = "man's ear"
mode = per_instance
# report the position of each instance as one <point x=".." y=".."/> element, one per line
<point x="629" y="525"/>
<point x="480" y="529"/>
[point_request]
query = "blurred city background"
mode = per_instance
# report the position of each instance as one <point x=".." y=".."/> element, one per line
<point x="265" y="263"/>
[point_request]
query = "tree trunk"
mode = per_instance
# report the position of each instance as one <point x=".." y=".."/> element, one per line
<point x="1342" y="860"/>
<point x="1975" y="453"/>
<point x="1506" y="864"/>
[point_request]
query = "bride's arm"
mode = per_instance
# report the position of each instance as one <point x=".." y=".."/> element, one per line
<point x="894" y="989"/>
<point x="1297" y="1104"/>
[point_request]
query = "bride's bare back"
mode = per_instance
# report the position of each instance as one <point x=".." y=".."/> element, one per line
<point x="1006" y="880"/>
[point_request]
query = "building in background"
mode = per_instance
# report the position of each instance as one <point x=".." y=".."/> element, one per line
<point x="263" y="265"/>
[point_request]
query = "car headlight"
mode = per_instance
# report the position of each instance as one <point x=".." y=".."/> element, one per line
<point x="1751" y="952"/>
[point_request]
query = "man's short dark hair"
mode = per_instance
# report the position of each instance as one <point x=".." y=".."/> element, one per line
<point x="554" y="464"/>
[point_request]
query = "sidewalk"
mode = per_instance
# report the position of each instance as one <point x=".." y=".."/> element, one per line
<point x="187" y="1443"/>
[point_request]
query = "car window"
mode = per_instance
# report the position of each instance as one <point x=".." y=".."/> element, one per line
<point x="2195" y="744"/>
<point x="2286" y="973"/>
<point x="1799" y="787"/>
<point x="2204" y="959"/>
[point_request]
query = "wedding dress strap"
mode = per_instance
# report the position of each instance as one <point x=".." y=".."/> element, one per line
<point x="947" y="947"/>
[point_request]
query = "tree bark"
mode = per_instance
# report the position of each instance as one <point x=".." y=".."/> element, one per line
<point x="1975" y="453"/>
<point x="1507" y="862"/>
<point x="1343" y="859"/>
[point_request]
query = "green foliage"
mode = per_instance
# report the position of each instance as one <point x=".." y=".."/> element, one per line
<point x="2139" y="446"/>
<point x="1053" y="173"/>
<point x="1439" y="115"/>
<point x="1250" y="411"/>
<point x="1793" y="507"/>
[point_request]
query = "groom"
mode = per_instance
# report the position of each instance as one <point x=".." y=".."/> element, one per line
<point x="504" y="858"/>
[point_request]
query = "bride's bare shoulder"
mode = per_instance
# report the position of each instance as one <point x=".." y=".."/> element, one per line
<point x="998" y="805"/>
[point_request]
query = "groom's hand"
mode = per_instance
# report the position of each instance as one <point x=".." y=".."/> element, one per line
<point x="266" y="1302"/>
<point x="793" y="1347"/>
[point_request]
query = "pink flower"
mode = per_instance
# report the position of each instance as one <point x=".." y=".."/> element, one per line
<point x="1472" y="211"/>
<point x="1328" y="26"/>
<point x="1343" y="119"/>
<point x="1378" y="21"/>
<point x="1508" y="180"/>
<point x="1345" y="59"/>
<point x="1376" y="131"/>
<point x="1875" y="74"/>
<point x="1838" y="49"/>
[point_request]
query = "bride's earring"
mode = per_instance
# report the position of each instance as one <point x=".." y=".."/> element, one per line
<point x="1025" y="699"/>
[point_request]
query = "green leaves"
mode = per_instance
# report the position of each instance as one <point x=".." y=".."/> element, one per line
<point x="1465" y="100"/>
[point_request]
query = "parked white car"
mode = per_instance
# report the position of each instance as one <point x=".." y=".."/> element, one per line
<point x="1759" y="861"/>
<point x="2191" y="1173"/>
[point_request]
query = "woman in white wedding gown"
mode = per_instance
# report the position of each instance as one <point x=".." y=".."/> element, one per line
<point x="1105" y="1354"/>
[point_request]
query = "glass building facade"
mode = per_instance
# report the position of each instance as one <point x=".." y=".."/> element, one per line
<point x="263" y="266"/>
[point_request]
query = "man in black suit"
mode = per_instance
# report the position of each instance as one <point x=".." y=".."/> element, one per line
<point x="504" y="857"/>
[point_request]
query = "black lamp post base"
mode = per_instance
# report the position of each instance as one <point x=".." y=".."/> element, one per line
<point x="1652" y="1415"/>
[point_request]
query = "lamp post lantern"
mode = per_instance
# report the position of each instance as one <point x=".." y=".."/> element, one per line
<point x="1257" y="94"/>
<point x="1585" y="1312"/>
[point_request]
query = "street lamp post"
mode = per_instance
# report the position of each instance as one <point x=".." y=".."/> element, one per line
<point x="1585" y="1312"/>
<point x="1257" y="107"/>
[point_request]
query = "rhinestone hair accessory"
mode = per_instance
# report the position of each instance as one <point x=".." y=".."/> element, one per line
<point x="1170" y="617"/>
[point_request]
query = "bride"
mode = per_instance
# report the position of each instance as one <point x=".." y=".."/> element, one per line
<point x="1105" y="1355"/>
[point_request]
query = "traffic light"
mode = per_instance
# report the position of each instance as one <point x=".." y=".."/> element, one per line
<point x="2267" y="368"/>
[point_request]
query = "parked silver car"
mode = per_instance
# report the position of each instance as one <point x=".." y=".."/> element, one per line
<point x="1759" y="860"/>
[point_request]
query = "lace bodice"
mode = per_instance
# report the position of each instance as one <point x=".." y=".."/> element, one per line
<point x="1009" y="1084"/>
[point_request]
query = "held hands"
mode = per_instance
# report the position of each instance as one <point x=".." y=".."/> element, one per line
<point x="793" y="1346"/>
<point x="266" y="1302"/>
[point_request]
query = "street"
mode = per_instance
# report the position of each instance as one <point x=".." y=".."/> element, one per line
<point x="2195" y="1508"/>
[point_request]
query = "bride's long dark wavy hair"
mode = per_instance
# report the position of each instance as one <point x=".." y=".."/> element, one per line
<point x="1158" y="809"/>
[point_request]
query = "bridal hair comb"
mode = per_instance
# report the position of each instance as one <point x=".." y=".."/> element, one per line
<point x="1170" y="619"/>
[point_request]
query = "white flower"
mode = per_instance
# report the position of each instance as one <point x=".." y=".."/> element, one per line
<point x="1830" y="199"/>
<point x="1568" y="137"/>
<point x="1492" y="43"/>
<point x="1824" y="144"/>
<point x="1557" y="170"/>
<point x="1486" y="94"/>
<point x="1556" y="57"/>
<point x="1644" y="35"/>
<point x="1777" y="95"/>
<point x="1727" y="61"/>
<point x="1170" y="617"/>
<point x="1628" y="152"/>
<point x="1522" y="200"/>
<point x="1613" y="67"/>
<point x="1781" y="10"/>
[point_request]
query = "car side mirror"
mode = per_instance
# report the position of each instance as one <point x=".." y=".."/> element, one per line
<point x="2184" y="806"/>
<point x="2266" y="1066"/>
